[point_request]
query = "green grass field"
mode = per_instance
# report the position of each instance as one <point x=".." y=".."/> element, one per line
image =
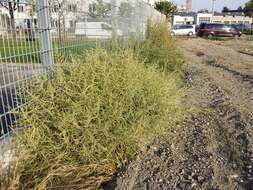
<point x="22" y="51"/>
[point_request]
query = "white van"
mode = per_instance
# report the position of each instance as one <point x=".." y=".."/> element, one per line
<point x="100" y="30"/>
<point x="183" y="30"/>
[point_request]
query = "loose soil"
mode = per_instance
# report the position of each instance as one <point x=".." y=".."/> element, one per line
<point x="212" y="148"/>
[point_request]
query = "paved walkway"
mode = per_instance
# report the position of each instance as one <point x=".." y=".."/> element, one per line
<point x="12" y="77"/>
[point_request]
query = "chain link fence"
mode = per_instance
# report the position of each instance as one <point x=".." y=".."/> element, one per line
<point x="36" y="34"/>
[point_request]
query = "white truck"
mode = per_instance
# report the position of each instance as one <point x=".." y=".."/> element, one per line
<point x="99" y="30"/>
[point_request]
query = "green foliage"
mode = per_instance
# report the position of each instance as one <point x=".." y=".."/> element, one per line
<point x="159" y="49"/>
<point x="95" y="115"/>
<point x="100" y="9"/>
<point x="166" y="7"/>
<point x="225" y="9"/>
<point x="249" y="8"/>
<point x="125" y="9"/>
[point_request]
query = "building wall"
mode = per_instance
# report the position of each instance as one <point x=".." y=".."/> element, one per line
<point x="20" y="14"/>
<point x="181" y="8"/>
<point x="203" y="18"/>
<point x="230" y="19"/>
<point x="183" y="20"/>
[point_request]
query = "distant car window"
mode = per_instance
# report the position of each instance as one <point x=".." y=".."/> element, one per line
<point x="226" y="26"/>
<point x="218" y="26"/>
<point x="202" y="26"/>
<point x="186" y="27"/>
<point x="233" y="28"/>
<point x="189" y="26"/>
<point x="106" y="27"/>
<point x="175" y="27"/>
<point x="214" y="26"/>
<point x="180" y="27"/>
<point x="209" y="26"/>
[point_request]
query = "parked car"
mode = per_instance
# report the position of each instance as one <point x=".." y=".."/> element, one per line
<point x="216" y="29"/>
<point x="244" y="28"/>
<point x="100" y="30"/>
<point x="183" y="30"/>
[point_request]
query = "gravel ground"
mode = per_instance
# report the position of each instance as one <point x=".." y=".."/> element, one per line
<point x="6" y="160"/>
<point x="212" y="148"/>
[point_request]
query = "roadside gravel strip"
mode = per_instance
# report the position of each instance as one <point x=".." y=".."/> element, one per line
<point x="212" y="148"/>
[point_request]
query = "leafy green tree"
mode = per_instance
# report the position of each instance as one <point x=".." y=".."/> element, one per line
<point x="100" y="9"/>
<point x="167" y="8"/>
<point x="125" y="9"/>
<point x="225" y="9"/>
<point x="240" y="8"/>
<point x="248" y="9"/>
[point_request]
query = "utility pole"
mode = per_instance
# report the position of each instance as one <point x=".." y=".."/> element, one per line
<point x="213" y="2"/>
<point x="114" y="19"/>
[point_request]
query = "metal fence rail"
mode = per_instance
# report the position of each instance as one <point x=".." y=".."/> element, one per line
<point x="36" y="34"/>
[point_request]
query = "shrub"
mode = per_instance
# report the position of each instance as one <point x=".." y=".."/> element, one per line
<point x="92" y="118"/>
<point x="159" y="49"/>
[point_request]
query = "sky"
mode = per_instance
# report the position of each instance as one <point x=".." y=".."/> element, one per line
<point x="219" y="4"/>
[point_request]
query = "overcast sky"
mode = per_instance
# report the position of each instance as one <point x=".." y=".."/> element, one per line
<point x="219" y="4"/>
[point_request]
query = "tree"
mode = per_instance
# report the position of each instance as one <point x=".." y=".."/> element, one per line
<point x="11" y="6"/>
<point x="99" y="9"/>
<point x="248" y="9"/>
<point x="225" y="9"/>
<point x="125" y="9"/>
<point x="240" y="9"/>
<point x="167" y="8"/>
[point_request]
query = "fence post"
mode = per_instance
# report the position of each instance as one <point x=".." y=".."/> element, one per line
<point x="45" y="35"/>
<point x="114" y="19"/>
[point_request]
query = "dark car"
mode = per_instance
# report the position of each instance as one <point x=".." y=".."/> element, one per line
<point x="215" y="29"/>
<point x="244" y="28"/>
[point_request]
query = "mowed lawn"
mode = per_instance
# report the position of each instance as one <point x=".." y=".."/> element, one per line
<point x="22" y="51"/>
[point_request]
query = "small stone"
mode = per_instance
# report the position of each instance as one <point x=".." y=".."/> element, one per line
<point x="200" y="178"/>
<point x="182" y="185"/>
<point x="234" y="176"/>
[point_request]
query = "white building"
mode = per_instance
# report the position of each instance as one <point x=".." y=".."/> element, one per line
<point x="231" y="18"/>
<point x="23" y="12"/>
<point x="184" y="18"/>
<point x="203" y="18"/>
<point x="181" y="8"/>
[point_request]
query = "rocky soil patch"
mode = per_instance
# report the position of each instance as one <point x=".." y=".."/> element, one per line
<point x="212" y="148"/>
